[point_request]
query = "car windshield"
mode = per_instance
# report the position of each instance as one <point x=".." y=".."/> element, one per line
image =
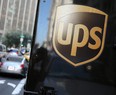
<point x="14" y="59"/>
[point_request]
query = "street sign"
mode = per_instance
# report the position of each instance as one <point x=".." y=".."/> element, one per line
<point x="21" y="39"/>
<point x="22" y="36"/>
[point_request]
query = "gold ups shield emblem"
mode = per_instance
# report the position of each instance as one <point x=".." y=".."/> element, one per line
<point x="79" y="33"/>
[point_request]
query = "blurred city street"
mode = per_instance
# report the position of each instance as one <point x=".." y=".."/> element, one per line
<point x="11" y="84"/>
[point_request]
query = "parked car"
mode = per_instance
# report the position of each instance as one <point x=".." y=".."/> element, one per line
<point x="1" y="64"/>
<point x="13" y="51"/>
<point x="15" y="65"/>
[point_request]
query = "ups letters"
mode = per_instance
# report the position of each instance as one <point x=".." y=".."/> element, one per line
<point x="75" y="36"/>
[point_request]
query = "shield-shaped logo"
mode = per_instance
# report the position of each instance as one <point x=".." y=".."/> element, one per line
<point x="79" y="33"/>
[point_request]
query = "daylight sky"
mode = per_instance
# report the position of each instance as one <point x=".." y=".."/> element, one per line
<point x="42" y="27"/>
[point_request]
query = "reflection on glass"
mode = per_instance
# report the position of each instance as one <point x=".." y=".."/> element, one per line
<point x="43" y="21"/>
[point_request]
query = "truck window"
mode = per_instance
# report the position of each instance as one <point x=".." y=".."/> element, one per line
<point x="74" y="45"/>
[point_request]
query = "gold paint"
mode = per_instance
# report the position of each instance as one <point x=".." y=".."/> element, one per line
<point x="95" y="37"/>
<point x="76" y="43"/>
<point x="60" y="33"/>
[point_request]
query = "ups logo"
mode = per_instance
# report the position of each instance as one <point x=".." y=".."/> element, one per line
<point x="79" y="33"/>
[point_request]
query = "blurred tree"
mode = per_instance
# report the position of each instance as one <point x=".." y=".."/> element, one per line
<point x="13" y="39"/>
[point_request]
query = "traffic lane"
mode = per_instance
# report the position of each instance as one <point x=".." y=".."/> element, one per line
<point x="11" y="84"/>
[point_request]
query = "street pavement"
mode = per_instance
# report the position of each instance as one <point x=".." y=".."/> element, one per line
<point x="14" y="84"/>
<point x="11" y="84"/>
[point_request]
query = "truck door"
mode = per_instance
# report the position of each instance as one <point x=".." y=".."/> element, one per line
<point x="73" y="48"/>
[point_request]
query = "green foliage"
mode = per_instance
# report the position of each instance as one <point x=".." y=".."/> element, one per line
<point x="13" y="38"/>
<point x="27" y="37"/>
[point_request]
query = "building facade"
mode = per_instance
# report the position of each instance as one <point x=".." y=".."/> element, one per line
<point x="17" y="15"/>
<point x="55" y="3"/>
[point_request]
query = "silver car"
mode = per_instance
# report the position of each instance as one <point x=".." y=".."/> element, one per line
<point x="15" y="65"/>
